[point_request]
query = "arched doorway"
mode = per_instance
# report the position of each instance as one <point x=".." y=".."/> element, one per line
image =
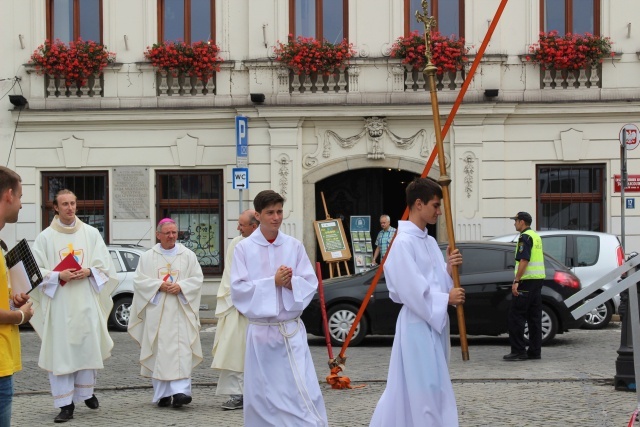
<point x="369" y="191"/>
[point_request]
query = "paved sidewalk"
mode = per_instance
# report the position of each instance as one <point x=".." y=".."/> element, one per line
<point x="571" y="386"/>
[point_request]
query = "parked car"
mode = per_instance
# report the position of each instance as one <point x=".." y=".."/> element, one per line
<point x="486" y="275"/>
<point x="589" y="255"/>
<point x="125" y="258"/>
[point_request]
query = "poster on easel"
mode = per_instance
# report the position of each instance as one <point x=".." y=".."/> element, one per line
<point x="360" y="227"/>
<point x="332" y="240"/>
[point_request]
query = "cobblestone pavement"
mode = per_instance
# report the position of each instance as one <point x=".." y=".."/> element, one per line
<point x="571" y="386"/>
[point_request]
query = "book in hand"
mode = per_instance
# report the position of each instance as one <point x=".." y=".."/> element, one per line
<point x="69" y="262"/>
<point x="24" y="272"/>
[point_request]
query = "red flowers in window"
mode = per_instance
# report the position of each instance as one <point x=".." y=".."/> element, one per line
<point x="569" y="52"/>
<point x="74" y="62"/>
<point x="310" y="56"/>
<point x="449" y="53"/>
<point x="198" y="59"/>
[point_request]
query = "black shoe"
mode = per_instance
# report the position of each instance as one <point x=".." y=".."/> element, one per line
<point x="512" y="357"/>
<point x="180" y="399"/>
<point x="533" y="357"/>
<point x="92" y="402"/>
<point x="164" y="402"/>
<point x="66" y="414"/>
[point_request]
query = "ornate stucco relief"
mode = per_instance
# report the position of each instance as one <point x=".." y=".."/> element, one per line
<point x="467" y="184"/>
<point x="375" y="133"/>
<point x="284" y="175"/>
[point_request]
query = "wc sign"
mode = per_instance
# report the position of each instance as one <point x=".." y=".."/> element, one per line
<point x="629" y="135"/>
<point x="240" y="178"/>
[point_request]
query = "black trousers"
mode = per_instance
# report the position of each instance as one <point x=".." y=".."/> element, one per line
<point x="526" y="308"/>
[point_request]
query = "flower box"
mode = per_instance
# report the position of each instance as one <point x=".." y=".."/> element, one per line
<point x="309" y="56"/>
<point x="183" y="69"/>
<point x="449" y="53"/>
<point x="74" y="69"/>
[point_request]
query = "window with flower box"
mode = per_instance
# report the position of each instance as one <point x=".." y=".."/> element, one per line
<point x="194" y="200"/>
<point x="189" y="21"/>
<point x="449" y="16"/>
<point x="91" y="190"/>
<point x="570" y="16"/>
<point x="69" y="20"/>
<point x="321" y="19"/>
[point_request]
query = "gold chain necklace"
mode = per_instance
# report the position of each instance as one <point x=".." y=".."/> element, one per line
<point x="169" y="264"/>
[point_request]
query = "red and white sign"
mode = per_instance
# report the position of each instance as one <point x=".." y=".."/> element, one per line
<point x="633" y="184"/>
<point x="629" y="135"/>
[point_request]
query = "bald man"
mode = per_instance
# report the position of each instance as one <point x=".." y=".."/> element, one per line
<point x="229" y="343"/>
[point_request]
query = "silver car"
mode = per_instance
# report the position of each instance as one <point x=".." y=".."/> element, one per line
<point x="125" y="258"/>
<point x="589" y="255"/>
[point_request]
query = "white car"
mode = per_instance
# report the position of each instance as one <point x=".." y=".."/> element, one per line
<point x="125" y="258"/>
<point x="589" y="255"/>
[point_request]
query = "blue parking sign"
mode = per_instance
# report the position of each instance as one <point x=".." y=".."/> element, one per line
<point x="242" y="136"/>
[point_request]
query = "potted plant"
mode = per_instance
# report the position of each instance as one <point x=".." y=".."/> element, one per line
<point x="199" y="59"/>
<point x="306" y="55"/>
<point x="75" y="62"/>
<point x="449" y="53"/>
<point x="569" y="52"/>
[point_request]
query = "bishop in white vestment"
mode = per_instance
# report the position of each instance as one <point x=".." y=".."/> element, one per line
<point x="71" y="319"/>
<point x="272" y="281"/>
<point x="419" y="390"/>
<point x="164" y="316"/>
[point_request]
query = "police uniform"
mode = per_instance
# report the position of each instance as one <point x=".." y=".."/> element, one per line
<point x="526" y="307"/>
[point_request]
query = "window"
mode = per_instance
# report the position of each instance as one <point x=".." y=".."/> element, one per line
<point x="556" y="246"/>
<point x="449" y="16"/>
<point x="70" y="20"/>
<point x="194" y="200"/>
<point x="570" y="16"/>
<point x="571" y="197"/>
<point x="478" y="260"/>
<point x="588" y="248"/>
<point x="91" y="190"/>
<point x="186" y="20"/>
<point x="116" y="261"/>
<point x="322" y="19"/>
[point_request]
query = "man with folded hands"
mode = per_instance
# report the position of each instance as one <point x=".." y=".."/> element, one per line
<point x="72" y="305"/>
<point x="165" y="317"/>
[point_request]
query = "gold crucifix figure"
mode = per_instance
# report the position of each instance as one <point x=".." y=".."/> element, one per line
<point x="429" y="22"/>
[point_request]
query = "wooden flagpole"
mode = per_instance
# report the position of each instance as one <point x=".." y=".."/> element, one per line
<point x="444" y="180"/>
<point x="341" y="359"/>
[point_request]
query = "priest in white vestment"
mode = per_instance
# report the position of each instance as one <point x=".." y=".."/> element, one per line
<point x="230" y="341"/>
<point x="164" y="316"/>
<point x="419" y="390"/>
<point x="72" y="306"/>
<point x="272" y="281"/>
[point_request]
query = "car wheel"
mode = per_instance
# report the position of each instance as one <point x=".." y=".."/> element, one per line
<point x="599" y="317"/>
<point x="340" y="318"/>
<point x="119" y="317"/>
<point x="549" y="325"/>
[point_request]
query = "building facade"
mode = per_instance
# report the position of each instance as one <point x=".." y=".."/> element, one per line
<point x="136" y="145"/>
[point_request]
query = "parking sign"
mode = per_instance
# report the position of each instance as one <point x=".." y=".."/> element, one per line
<point x="242" y="137"/>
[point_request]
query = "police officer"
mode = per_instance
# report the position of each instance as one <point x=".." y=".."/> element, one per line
<point x="526" y="304"/>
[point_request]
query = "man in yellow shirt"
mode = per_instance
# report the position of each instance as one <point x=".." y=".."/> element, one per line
<point x="15" y="310"/>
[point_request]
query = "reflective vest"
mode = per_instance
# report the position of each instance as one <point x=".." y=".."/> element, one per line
<point x="535" y="268"/>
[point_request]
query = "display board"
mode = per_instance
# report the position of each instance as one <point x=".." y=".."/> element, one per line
<point x="360" y="227"/>
<point x="332" y="240"/>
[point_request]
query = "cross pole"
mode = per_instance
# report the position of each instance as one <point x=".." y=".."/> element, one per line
<point x="342" y="357"/>
<point x="444" y="180"/>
